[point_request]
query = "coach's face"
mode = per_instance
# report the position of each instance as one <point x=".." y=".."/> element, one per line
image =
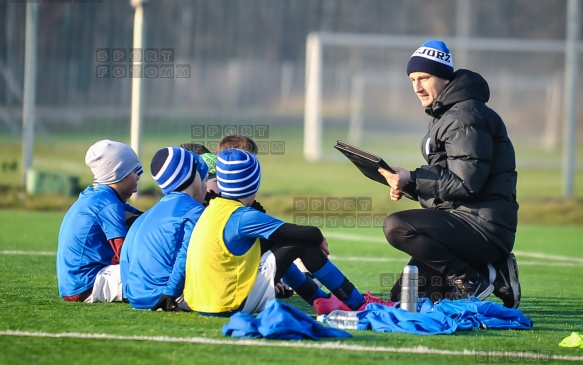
<point x="427" y="87"/>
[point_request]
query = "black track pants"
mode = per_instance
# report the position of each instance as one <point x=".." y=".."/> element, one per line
<point x="440" y="244"/>
<point x="285" y="254"/>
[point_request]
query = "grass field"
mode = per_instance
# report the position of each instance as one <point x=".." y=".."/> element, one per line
<point x="287" y="175"/>
<point x="37" y="327"/>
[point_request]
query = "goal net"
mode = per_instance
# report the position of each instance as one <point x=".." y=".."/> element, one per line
<point x="357" y="88"/>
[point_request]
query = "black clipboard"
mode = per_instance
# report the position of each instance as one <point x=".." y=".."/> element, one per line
<point x="366" y="162"/>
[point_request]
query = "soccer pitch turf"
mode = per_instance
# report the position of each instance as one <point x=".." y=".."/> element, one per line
<point x="36" y="326"/>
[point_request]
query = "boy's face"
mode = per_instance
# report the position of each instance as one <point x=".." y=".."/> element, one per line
<point x="212" y="185"/>
<point x="202" y="191"/>
<point x="127" y="186"/>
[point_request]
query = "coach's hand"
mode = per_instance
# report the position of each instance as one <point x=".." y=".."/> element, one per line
<point x="166" y="303"/>
<point x="397" y="180"/>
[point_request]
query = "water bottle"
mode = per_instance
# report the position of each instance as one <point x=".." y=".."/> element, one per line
<point x="409" y="288"/>
<point x="346" y="320"/>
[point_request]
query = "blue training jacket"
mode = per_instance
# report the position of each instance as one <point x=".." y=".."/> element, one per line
<point x="153" y="256"/>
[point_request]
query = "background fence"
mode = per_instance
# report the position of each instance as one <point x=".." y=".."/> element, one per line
<point x="244" y="62"/>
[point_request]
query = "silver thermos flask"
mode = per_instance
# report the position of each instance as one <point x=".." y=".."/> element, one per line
<point x="409" y="288"/>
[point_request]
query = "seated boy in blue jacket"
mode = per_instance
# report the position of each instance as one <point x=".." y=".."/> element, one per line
<point x="94" y="228"/>
<point x="154" y="254"/>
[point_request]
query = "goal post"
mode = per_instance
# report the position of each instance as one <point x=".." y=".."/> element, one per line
<point x="313" y="114"/>
<point x="317" y="42"/>
<point x="314" y="68"/>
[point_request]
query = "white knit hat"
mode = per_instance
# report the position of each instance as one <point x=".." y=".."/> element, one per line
<point x="111" y="161"/>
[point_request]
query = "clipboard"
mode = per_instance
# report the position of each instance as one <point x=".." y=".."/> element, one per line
<point x="365" y="161"/>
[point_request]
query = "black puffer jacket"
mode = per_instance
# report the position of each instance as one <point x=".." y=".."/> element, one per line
<point x="471" y="163"/>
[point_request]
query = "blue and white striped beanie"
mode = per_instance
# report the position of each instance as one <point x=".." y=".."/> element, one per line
<point x="174" y="168"/>
<point x="434" y="58"/>
<point x="238" y="173"/>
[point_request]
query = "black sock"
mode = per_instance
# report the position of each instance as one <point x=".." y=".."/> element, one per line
<point x="348" y="293"/>
<point x="307" y="290"/>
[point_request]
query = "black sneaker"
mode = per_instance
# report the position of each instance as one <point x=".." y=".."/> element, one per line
<point x="479" y="287"/>
<point x="506" y="285"/>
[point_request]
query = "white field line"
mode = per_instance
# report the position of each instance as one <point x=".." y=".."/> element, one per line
<point x="535" y="255"/>
<point x="538" y="255"/>
<point x="494" y="355"/>
<point x="577" y="262"/>
<point x="32" y="253"/>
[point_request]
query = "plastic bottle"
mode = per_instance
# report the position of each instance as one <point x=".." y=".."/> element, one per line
<point x="409" y="288"/>
<point x="346" y="320"/>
